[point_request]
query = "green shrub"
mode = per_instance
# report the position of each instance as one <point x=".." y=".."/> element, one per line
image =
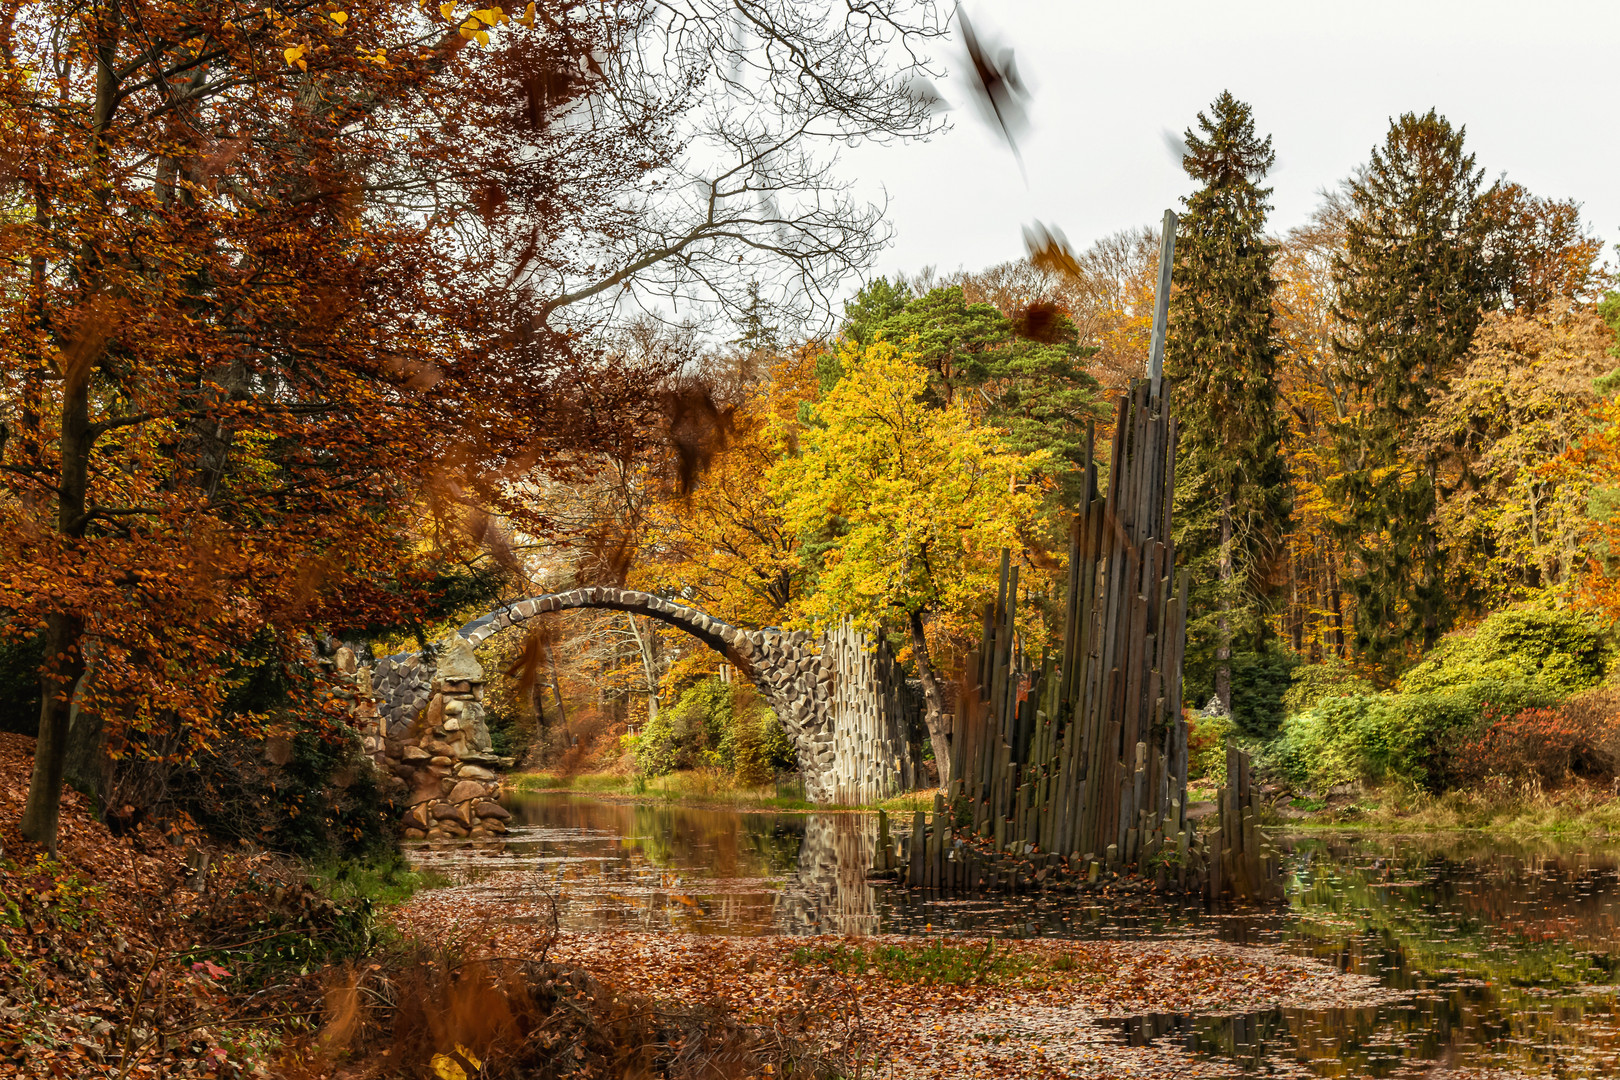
<point x="1315" y="683"/>
<point x="1564" y="651"/>
<point x="718" y="725"/>
<point x="1206" y="748"/>
<point x="1382" y="738"/>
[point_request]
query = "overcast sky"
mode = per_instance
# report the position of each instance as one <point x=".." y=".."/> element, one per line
<point x="1535" y="82"/>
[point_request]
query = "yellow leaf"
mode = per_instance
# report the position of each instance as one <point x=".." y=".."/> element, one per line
<point x="527" y="18"/>
<point x="302" y="66"/>
<point x="468" y="28"/>
<point x="291" y="55"/>
<point x="488" y="16"/>
<point x="482" y="36"/>
<point x="448" y="1068"/>
<point x="339" y="17"/>
<point x="447" y="10"/>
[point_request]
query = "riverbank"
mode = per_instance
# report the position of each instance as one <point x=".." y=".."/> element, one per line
<point x="1578" y="811"/>
<point x="1585" y="811"/>
<point x="164" y="953"/>
<point x="700" y="789"/>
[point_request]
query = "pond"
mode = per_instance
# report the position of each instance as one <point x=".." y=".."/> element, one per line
<point x="1508" y="951"/>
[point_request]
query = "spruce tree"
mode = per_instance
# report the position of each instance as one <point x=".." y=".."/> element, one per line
<point x="1221" y="356"/>
<point x="1413" y="282"/>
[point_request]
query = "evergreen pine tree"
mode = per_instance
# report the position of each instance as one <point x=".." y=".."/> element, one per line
<point x="1221" y="357"/>
<point x="1413" y="282"/>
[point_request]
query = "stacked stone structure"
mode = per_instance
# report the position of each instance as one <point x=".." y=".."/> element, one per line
<point x="440" y="754"/>
<point x="850" y="715"/>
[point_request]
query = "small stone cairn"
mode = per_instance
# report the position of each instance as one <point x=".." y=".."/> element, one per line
<point x="442" y="757"/>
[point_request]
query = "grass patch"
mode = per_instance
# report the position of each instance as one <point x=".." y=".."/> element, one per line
<point x="908" y="802"/>
<point x="1583" y="811"/>
<point x="947" y="963"/>
<point x="695" y="787"/>
<point x="386" y="881"/>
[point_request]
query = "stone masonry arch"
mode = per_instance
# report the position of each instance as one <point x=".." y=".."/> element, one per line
<point x="844" y="704"/>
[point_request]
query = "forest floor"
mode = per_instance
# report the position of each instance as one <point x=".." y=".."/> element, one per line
<point x="929" y="1007"/>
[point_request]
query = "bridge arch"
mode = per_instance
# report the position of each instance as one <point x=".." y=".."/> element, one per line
<point x="843" y="704"/>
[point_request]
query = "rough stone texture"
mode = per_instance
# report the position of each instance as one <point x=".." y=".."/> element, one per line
<point x="458" y="664"/>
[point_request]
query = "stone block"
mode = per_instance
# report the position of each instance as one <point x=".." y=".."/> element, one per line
<point x="475" y="772"/>
<point x="492" y="810"/>
<point x="415" y="753"/>
<point x="467" y="791"/>
<point x="415" y="834"/>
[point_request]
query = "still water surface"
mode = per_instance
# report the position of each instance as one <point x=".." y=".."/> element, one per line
<point x="1509" y="950"/>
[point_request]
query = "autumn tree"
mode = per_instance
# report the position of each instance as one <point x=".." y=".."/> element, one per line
<point x="285" y="276"/>
<point x="914" y="501"/>
<point x="1221" y="355"/>
<point x="1312" y="390"/>
<point x="726" y="544"/>
<point x="1412" y="285"/>
<point x="1023" y="371"/>
<point x="1513" y="512"/>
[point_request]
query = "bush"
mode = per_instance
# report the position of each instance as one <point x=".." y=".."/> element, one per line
<point x="1314" y="683"/>
<point x="1549" y="747"/>
<point x="716" y="725"/>
<point x="1206" y="748"/>
<point x="1563" y="651"/>
<point x="1403" y="738"/>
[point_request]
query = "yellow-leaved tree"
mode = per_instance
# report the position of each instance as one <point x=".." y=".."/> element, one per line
<point x="901" y="510"/>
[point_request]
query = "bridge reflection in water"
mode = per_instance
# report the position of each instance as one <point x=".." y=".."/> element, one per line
<point x="1510" y="951"/>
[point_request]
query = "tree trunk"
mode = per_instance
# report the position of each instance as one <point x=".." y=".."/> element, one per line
<point x="64" y="630"/>
<point x="644" y="646"/>
<point x="1338" y="604"/>
<point x="934" y="696"/>
<point x="84" y="761"/>
<point x="1223" y="645"/>
<point x="556" y="688"/>
<point x="64" y="664"/>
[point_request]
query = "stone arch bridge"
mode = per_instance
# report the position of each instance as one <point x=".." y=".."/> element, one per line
<point x="844" y="704"/>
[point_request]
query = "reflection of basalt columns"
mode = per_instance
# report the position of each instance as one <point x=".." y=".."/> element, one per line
<point x="842" y="701"/>
<point x="830" y="893"/>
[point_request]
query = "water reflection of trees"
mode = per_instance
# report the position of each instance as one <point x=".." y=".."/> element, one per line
<point x="1509" y="952"/>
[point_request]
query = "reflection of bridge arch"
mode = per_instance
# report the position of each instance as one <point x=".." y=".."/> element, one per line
<point x="844" y="705"/>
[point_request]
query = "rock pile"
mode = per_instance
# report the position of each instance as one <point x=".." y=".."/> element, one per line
<point x="441" y="757"/>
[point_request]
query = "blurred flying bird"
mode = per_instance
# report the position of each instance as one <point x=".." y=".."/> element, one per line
<point x="1049" y="250"/>
<point x="1175" y="145"/>
<point x="996" y="88"/>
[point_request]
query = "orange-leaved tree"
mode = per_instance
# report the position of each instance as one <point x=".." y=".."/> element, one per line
<point x="272" y="276"/>
<point x="246" y="330"/>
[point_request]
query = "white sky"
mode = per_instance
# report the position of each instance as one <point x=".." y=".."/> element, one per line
<point x="1537" y="83"/>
